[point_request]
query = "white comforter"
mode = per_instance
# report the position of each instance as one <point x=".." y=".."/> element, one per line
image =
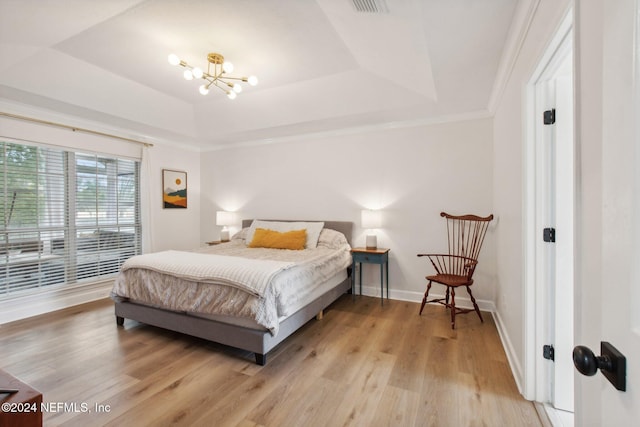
<point x="250" y="275"/>
<point x="298" y="273"/>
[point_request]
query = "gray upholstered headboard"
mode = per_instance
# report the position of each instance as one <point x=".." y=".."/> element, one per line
<point x="345" y="227"/>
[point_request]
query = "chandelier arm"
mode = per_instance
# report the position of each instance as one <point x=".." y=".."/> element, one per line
<point x="210" y="77"/>
<point x="214" y="76"/>
<point x="222" y="80"/>
<point x="244" y="79"/>
<point x="185" y="65"/>
<point x="215" y="83"/>
<point x="217" y="70"/>
<point x="208" y="82"/>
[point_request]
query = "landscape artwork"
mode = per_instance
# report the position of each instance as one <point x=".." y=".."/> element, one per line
<point x="174" y="189"/>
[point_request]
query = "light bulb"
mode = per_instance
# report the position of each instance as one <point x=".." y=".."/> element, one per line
<point x="231" y="95"/>
<point x="173" y="59"/>
<point x="227" y="67"/>
<point x="197" y="73"/>
<point x="188" y="75"/>
<point x="237" y="88"/>
<point x="252" y="80"/>
<point x="203" y="90"/>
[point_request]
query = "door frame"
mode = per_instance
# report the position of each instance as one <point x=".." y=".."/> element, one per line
<point x="536" y="312"/>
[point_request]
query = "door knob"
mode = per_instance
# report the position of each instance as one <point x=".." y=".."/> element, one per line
<point x="588" y="363"/>
<point x="612" y="363"/>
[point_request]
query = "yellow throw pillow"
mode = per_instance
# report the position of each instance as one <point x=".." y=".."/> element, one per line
<point x="263" y="238"/>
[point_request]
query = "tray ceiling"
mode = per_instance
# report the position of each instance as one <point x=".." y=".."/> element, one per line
<point x="322" y="65"/>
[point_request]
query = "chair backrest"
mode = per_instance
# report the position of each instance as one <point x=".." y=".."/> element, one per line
<point x="466" y="234"/>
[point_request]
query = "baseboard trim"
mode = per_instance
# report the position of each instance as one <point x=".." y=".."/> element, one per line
<point x="543" y="415"/>
<point x="413" y="296"/>
<point x="555" y="417"/>
<point x="514" y="364"/>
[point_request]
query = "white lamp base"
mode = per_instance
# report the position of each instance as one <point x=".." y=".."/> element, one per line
<point x="372" y="241"/>
<point x="224" y="235"/>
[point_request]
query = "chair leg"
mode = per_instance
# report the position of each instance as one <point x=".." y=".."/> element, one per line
<point x="453" y="307"/>
<point x="446" y="296"/>
<point x="424" y="300"/>
<point x="475" y="306"/>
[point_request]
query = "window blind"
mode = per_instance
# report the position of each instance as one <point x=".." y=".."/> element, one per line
<point x="67" y="217"/>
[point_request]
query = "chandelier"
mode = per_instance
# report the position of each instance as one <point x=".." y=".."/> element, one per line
<point x="216" y="75"/>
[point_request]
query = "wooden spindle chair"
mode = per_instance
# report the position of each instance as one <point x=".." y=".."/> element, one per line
<point x="466" y="235"/>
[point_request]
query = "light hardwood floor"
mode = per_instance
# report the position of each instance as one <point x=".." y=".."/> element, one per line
<point x="362" y="365"/>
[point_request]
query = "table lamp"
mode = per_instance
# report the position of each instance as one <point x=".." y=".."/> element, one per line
<point x="371" y="220"/>
<point x="224" y="219"/>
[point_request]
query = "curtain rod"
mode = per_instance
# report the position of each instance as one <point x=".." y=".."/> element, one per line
<point x="73" y="128"/>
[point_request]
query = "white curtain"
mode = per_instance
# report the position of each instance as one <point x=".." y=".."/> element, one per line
<point x="145" y="200"/>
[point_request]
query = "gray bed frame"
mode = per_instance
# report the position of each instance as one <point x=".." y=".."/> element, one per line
<point x="259" y="342"/>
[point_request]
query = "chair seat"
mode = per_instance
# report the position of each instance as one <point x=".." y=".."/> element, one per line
<point x="451" y="280"/>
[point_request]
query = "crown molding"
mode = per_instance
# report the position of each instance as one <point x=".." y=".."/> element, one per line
<point x="518" y="31"/>
<point x="67" y="120"/>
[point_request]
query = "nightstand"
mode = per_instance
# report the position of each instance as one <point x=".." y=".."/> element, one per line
<point x="26" y="402"/>
<point x="371" y="256"/>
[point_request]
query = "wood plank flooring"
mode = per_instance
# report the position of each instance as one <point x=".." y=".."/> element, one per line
<point x="362" y="365"/>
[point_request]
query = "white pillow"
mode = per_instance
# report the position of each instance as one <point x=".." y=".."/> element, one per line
<point x="240" y="235"/>
<point x="332" y="239"/>
<point x="313" y="230"/>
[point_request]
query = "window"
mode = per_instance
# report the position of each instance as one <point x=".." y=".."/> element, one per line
<point x="66" y="217"/>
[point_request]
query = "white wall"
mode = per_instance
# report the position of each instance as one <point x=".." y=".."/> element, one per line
<point x="412" y="174"/>
<point x="509" y="136"/>
<point x="174" y="228"/>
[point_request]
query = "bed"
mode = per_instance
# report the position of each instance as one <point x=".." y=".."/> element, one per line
<point x="296" y="285"/>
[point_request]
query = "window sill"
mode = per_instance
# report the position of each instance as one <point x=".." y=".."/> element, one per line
<point x="34" y="304"/>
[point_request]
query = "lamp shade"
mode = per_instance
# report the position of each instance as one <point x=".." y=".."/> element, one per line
<point x="371" y="219"/>
<point x="225" y="218"/>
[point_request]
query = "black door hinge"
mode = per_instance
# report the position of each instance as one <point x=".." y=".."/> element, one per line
<point x="548" y="352"/>
<point x="550" y="116"/>
<point x="549" y="235"/>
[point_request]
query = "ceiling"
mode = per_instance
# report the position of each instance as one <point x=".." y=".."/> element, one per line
<point x="322" y="65"/>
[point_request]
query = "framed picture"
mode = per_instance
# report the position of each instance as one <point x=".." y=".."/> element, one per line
<point x="174" y="189"/>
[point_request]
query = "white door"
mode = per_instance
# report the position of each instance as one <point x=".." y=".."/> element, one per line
<point x="608" y="291"/>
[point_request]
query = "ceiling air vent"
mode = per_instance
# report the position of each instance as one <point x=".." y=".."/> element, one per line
<point x="370" y="6"/>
